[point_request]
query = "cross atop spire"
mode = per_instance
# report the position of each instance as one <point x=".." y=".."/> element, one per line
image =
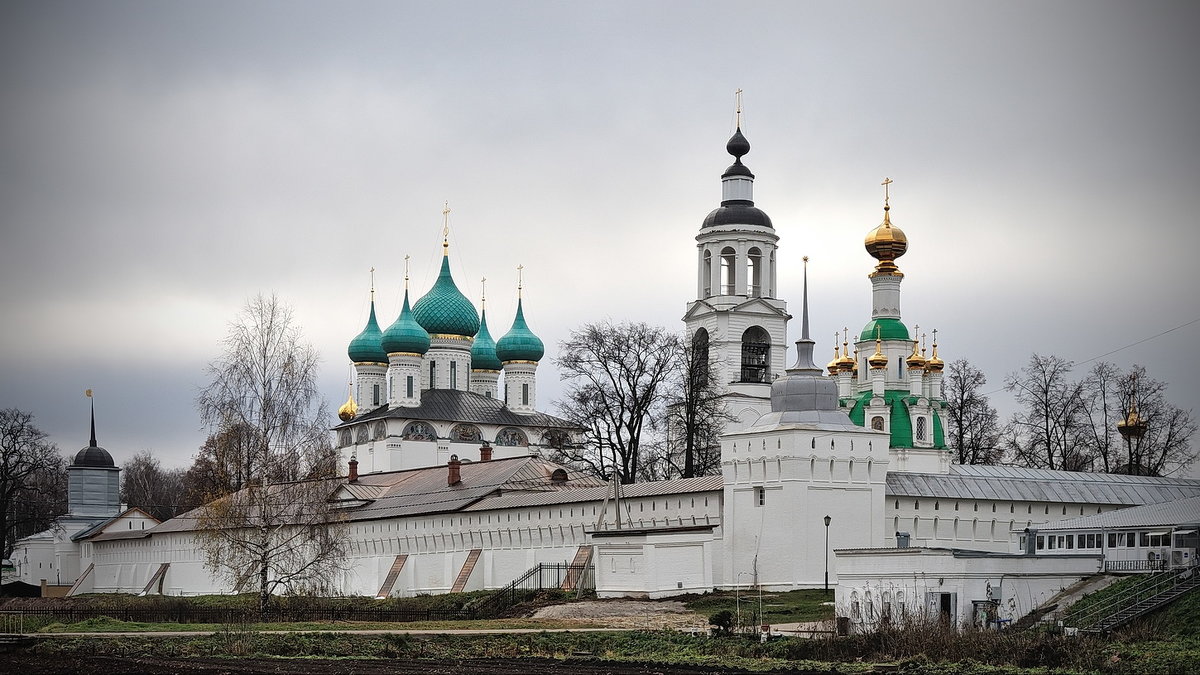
<point x="886" y="193"/>
<point x="520" y="279"/>
<point x="406" y="259"/>
<point x="446" y="228"/>
<point x="372" y="284"/>
<point x="737" y="97"/>
<point x="483" y="292"/>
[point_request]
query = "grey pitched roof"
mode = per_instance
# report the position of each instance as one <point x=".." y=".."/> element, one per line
<point x="451" y="405"/>
<point x="594" y="494"/>
<point x="424" y="491"/>
<point x="1164" y="514"/>
<point x="1008" y="483"/>
<point x="91" y="530"/>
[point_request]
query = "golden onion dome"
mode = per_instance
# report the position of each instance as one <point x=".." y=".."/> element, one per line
<point x="886" y="243"/>
<point x="934" y="365"/>
<point x="878" y="360"/>
<point x="349" y="409"/>
<point x="915" y="361"/>
<point x="832" y="366"/>
<point x="847" y="364"/>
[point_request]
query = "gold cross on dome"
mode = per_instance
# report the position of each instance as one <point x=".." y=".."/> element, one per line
<point x="886" y="182"/>
<point x="446" y="224"/>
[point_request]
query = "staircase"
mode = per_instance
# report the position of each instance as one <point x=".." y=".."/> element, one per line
<point x="465" y="573"/>
<point x="1144" y="597"/>
<point x="577" y="567"/>
<point x="393" y="574"/>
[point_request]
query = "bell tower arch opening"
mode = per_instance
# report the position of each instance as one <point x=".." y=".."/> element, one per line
<point x="756" y="355"/>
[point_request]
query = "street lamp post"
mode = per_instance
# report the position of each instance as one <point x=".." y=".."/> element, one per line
<point x="827" y="519"/>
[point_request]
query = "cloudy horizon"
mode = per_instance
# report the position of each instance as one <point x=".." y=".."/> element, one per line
<point x="163" y="162"/>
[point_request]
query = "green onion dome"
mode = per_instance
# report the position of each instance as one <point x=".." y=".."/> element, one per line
<point x="520" y="344"/>
<point x="444" y="310"/>
<point x="367" y="347"/>
<point x="888" y="329"/>
<point x="483" y="352"/>
<point x="405" y="335"/>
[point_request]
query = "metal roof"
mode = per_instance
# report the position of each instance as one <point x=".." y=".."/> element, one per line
<point x="595" y="494"/>
<point x="1165" y="514"/>
<point x="451" y="405"/>
<point x="1008" y="483"/>
<point x="424" y="491"/>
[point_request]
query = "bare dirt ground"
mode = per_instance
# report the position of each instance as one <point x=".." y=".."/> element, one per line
<point x="30" y="665"/>
<point x="638" y="614"/>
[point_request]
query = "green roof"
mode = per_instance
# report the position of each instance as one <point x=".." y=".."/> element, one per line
<point x="889" y="329"/>
<point x="520" y="344"/>
<point x="444" y="310"/>
<point x="901" y="430"/>
<point x="367" y="347"/>
<point x="483" y="352"/>
<point x="405" y="335"/>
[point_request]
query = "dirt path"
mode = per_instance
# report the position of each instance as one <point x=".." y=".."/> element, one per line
<point x="627" y="614"/>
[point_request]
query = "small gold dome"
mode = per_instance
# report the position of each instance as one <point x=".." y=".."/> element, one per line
<point x="934" y="365"/>
<point x="886" y="243"/>
<point x="915" y="361"/>
<point x="847" y="364"/>
<point x="349" y="409"/>
<point x="832" y="366"/>
<point x="878" y="360"/>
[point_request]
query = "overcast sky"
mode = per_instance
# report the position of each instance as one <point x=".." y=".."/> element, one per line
<point x="162" y="162"/>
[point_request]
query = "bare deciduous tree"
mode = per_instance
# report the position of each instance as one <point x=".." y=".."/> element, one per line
<point x="1162" y="442"/>
<point x="263" y="391"/>
<point x="972" y="424"/>
<point x="32" y="479"/>
<point x="145" y="484"/>
<point x="696" y="412"/>
<point x="1049" y="432"/>
<point x="616" y="376"/>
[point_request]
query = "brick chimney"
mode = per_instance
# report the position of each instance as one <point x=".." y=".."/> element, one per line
<point x="485" y="452"/>
<point x="353" y="476"/>
<point x="453" y="477"/>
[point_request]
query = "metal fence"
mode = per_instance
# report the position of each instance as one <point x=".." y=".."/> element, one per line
<point x="1135" y="565"/>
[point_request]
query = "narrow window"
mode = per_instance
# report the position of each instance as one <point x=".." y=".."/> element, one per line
<point x="375" y="395"/>
<point x="708" y="274"/>
<point x="410" y="386"/>
<point x="524" y="394"/>
<point x="432" y="375"/>
<point x="728" y="271"/>
<point x="761" y="496"/>
<point x="454" y="374"/>
<point x="754" y="272"/>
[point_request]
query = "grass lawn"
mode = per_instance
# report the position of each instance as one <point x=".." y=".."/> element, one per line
<point x="787" y="607"/>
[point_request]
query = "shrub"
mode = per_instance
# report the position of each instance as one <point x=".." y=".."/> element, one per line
<point x="723" y="620"/>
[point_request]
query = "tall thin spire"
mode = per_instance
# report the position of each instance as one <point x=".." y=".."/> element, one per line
<point x="372" y="285"/>
<point x="520" y="280"/>
<point x="92" y="401"/>
<point x="804" y="346"/>
<point x="737" y="96"/>
<point x="804" y="320"/>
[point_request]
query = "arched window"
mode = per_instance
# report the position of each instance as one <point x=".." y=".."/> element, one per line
<point x="708" y="274"/>
<point x="754" y="272"/>
<point x="466" y="433"/>
<point x="877" y="423"/>
<point x="756" y="355"/>
<point x="362" y="435"/>
<point x="380" y="430"/>
<point x="699" y="360"/>
<point x="345" y="437"/>
<point x="556" y="438"/>
<point x="511" y="436"/>
<point x="728" y="271"/>
<point x="419" y="431"/>
<point x="920" y="428"/>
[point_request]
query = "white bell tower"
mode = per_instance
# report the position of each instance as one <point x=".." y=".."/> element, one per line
<point x="736" y="317"/>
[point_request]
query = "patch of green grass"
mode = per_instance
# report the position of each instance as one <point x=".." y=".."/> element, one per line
<point x="786" y="607"/>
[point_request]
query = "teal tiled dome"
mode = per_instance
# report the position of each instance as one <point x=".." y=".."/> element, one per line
<point x="405" y="335"/>
<point x="483" y="352"/>
<point x="367" y="347"/>
<point x="444" y="310"/>
<point x="889" y="329"/>
<point x="520" y="344"/>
